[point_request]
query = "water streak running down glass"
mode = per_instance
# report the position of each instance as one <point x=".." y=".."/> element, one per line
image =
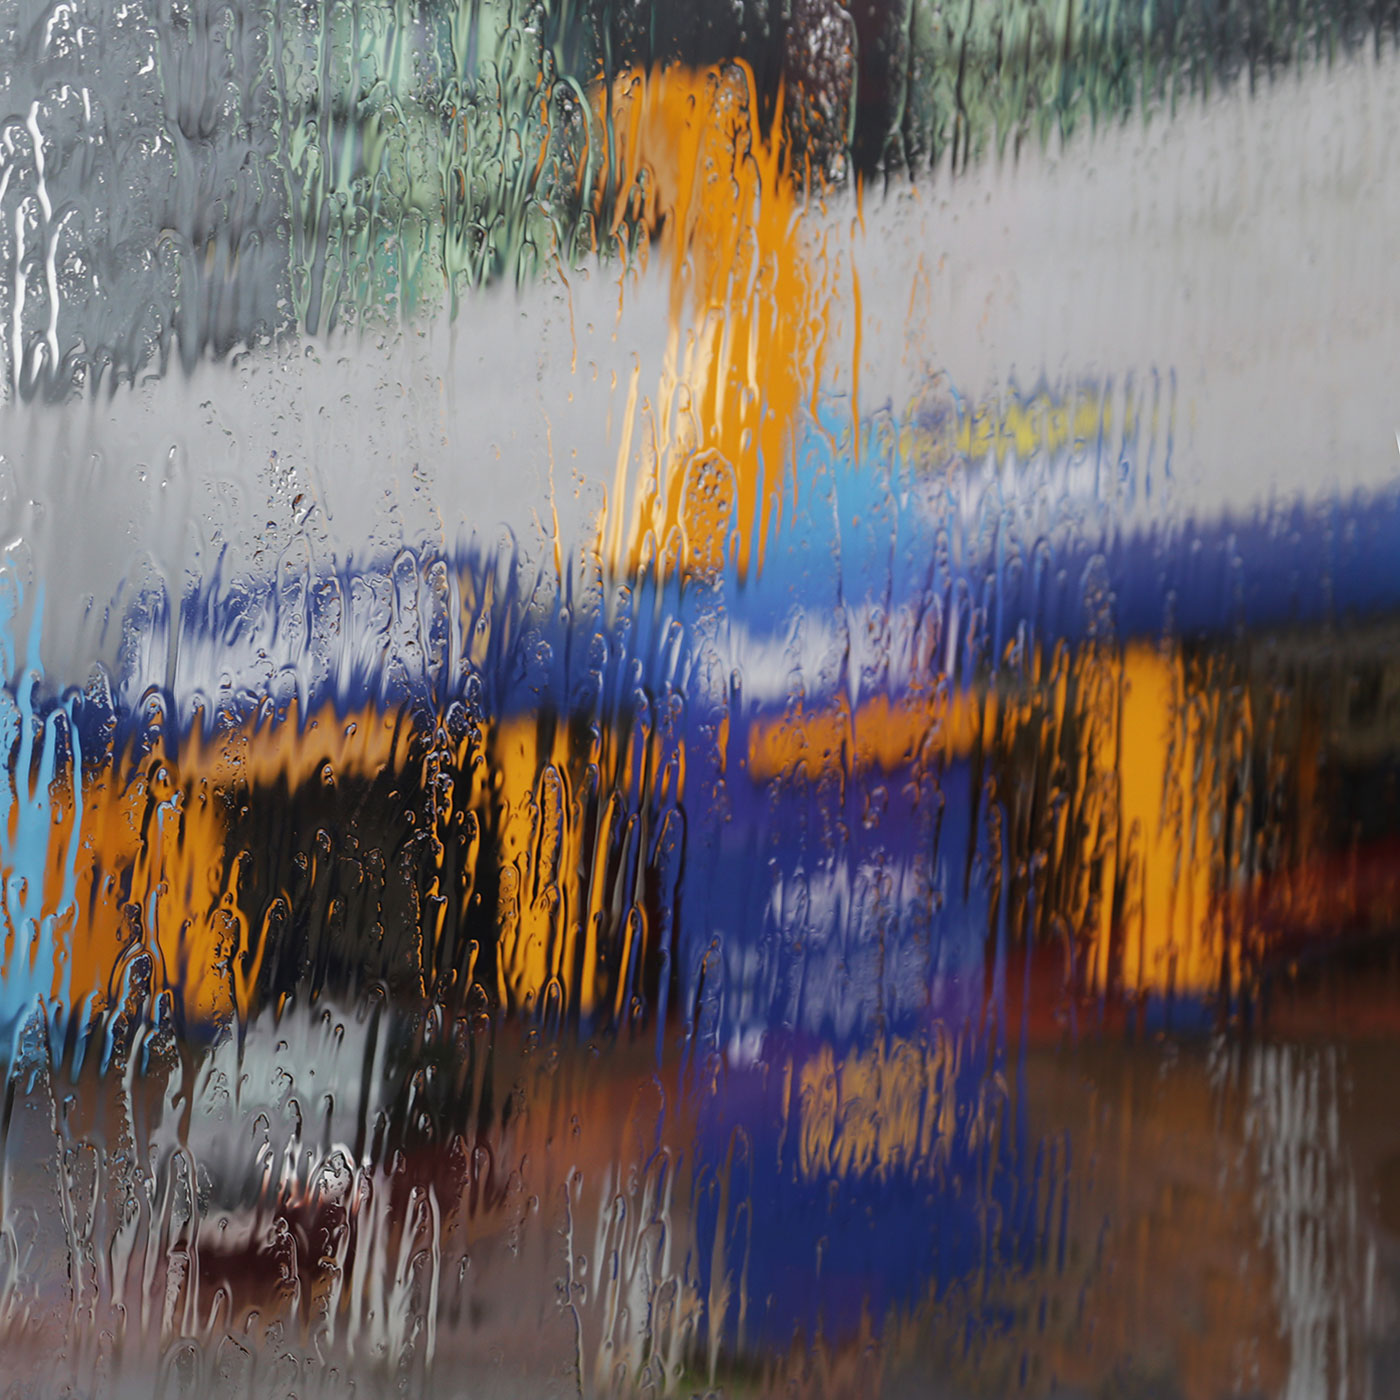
<point x="699" y="700"/>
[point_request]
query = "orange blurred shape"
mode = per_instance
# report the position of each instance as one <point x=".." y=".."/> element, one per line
<point x="157" y="874"/>
<point x="154" y="871"/>
<point x="1141" y="773"/>
<point x="689" y="165"/>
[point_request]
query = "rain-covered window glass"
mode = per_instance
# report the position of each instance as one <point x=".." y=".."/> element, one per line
<point x="699" y="698"/>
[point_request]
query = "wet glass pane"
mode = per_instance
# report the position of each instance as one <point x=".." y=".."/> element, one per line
<point x="699" y="699"/>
